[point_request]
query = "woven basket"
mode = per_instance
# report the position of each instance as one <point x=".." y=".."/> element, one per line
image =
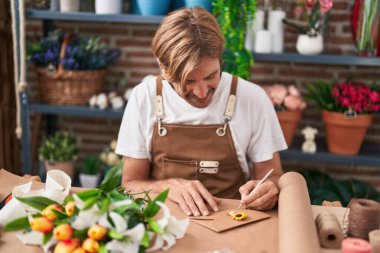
<point x="69" y="87"/>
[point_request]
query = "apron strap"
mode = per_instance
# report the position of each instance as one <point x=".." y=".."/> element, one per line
<point x="159" y="102"/>
<point x="231" y="100"/>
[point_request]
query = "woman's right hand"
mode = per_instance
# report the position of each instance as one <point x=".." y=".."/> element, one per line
<point x="191" y="196"/>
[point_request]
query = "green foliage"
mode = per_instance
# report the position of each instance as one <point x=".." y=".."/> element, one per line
<point x="112" y="178"/>
<point x="321" y="93"/>
<point x="17" y="224"/>
<point x="37" y="202"/>
<point x="91" y="165"/>
<point x="322" y="187"/>
<point x="233" y="17"/>
<point x="60" y="147"/>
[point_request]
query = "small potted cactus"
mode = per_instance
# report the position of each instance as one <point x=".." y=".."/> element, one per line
<point x="90" y="171"/>
<point x="59" y="151"/>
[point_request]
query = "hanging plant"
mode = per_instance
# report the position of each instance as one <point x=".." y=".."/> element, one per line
<point x="233" y="17"/>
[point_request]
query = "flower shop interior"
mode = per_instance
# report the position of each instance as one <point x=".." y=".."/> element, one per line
<point x="317" y="60"/>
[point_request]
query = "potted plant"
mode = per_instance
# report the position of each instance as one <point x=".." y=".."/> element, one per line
<point x="316" y="15"/>
<point x="289" y="104"/>
<point x="232" y="19"/>
<point x="90" y="171"/>
<point x="59" y="151"/>
<point x="346" y="113"/>
<point x="64" y="63"/>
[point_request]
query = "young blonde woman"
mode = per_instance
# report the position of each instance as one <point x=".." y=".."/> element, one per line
<point x="201" y="132"/>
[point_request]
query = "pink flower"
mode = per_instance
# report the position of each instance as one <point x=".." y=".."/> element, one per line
<point x="309" y="4"/>
<point x="326" y="5"/>
<point x="282" y="97"/>
<point x="294" y="91"/>
<point x="293" y="103"/>
<point x="278" y="93"/>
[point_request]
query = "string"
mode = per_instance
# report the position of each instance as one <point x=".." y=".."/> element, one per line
<point x="364" y="216"/>
<point x="329" y="231"/>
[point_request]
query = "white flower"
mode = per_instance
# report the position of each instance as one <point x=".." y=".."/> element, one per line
<point x="117" y="102"/>
<point x="133" y="235"/>
<point x="85" y="218"/>
<point x="102" y="101"/>
<point x="92" y="101"/>
<point x="173" y="229"/>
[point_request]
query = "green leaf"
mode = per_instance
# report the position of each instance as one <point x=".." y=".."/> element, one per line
<point x="103" y="248"/>
<point x="80" y="234"/>
<point x="152" y="209"/>
<point x="89" y="203"/>
<point x="112" y="178"/>
<point x="84" y="195"/>
<point x="115" y="235"/>
<point x="155" y="226"/>
<point x="46" y="238"/>
<point x="145" y="240"/>
<point x="60" y="214"/>
<point x="17" y="224"/>
<point x="38" y="202"/>
<point x="104" y="205"/>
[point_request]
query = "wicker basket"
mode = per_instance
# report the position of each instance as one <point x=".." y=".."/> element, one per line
<point x="69" y="87"/>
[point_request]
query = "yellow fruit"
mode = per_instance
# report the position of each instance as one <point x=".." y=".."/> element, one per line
<point x="41" y="224"/>
<point x="79" y="250"/>
<point x="90" y="245"/>
<point x="63" y="232"/>
<point x="70" y="208"/>
<point x="67" y="246"/>
<point x="48" y="213"/>
<point x="97" y="232"/>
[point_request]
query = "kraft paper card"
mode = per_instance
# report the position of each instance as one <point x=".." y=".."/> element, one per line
<point x="221" y="221"/>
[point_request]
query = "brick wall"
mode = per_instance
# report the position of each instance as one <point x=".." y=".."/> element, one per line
<point x="137" y="61"/>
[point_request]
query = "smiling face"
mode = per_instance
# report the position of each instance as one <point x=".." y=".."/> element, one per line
<point x="201" y="83"/>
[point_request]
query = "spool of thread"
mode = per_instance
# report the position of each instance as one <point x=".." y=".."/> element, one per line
<point x="329" y="231"/>
<point x="364" y="217"/>
<point x="355" y="245"/>
<point x="374" y="239"/>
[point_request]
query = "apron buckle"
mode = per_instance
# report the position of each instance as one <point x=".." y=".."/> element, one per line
<point x="221" y="131"/>
<point x="161" y="130"/>
<point x="208" y="170"/>
<point x="208" y="167"/>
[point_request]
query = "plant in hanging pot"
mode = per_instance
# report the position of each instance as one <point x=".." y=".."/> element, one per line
<point x="90" y="171"/>
<point x="59" y="151"/>
<point x="289" y="105"/>
<point x="346" y="113"/>
<point x="316" y="15"/>
<point x="70" y="68"/>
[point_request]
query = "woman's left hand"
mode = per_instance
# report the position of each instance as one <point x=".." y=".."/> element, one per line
<point x="263" y="198"/>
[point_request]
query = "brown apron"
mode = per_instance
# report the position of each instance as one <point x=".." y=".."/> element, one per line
<point x="197" y="152"/>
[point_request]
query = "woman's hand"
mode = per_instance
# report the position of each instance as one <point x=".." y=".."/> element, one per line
<point x="263" y="198"/>
<point x="191" y="196"/>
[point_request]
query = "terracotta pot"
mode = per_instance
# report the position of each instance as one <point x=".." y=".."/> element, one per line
<point x="67" y="167"/>
<point x="345" y="136"/>
<point x="289" y="122"/>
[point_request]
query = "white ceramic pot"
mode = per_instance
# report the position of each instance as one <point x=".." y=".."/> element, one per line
<point x="88" y="181"/>
<point x="309" y="44"/>
<point x="69" y="5"/>
<point x="108" y="6"/>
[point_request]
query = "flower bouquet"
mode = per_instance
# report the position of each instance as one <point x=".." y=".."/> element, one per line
<point x="347" y="109"/>
<point x="64" y="63"/>
<point x="289" y="104"/>
<point x="97" y="220"/>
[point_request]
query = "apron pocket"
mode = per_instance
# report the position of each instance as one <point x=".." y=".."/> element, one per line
<point x="173" y="168"/>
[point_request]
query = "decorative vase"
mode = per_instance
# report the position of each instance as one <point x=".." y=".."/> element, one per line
<point x="89" y="181"/>
<point x="309" y="44"/>
<point x="152" y="7"/>
<point x="69" y="5"/>
<point x="108" y="6"/>
<point x="289" y="122"/>
<point x="67" y="167"/>
<point x="345" y="135"/>
<point x="205" y="4"/>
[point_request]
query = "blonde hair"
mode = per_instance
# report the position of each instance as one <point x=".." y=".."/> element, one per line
<point x="184" y="37"/>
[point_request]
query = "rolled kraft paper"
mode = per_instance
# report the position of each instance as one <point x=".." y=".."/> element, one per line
<point x="355" y="245"/>
<point x="364" y="217"/>
<point x="297" y="231"/>
<point x="329" y="231"/>
<point x="374" y="239"/>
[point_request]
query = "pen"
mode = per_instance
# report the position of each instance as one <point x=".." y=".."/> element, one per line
<point x="261" y="181"/>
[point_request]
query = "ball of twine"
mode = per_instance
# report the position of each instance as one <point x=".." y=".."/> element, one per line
<point x="329" y="230"/>
<point x="364" y="217"/>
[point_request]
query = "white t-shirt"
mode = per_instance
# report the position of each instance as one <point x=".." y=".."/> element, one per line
<point x="254" y="125"/>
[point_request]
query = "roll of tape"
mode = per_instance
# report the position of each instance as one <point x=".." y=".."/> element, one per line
<point x="329" y="231"/>
<point x="374" y="239"/>
<point x="355" y="245"/>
